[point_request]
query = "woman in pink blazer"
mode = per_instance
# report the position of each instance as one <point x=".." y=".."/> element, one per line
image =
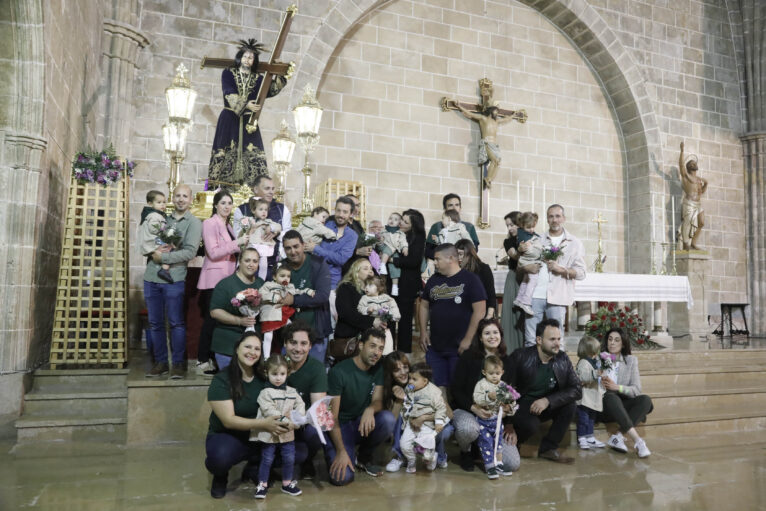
<point x="221" y="249"/>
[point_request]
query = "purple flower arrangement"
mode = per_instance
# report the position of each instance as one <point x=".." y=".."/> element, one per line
<point x="103" y="167"/>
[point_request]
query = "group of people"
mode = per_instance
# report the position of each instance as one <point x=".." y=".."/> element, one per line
<point x="326" y="302"/>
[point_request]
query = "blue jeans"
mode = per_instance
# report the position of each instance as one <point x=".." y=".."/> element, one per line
<point x="443" y="365"/>
<point x="224" y="451"/>
<point x="162" y="299"/>
<point x="585" y="419"/>
<point x="441" y="439"/>
<point x="319" y="349"/>
<point x="307" y="443"/>
<point x="223" y="361"/>
<point x="540" y="306"/>
<point x="384" y="425"/>
<point x="268" y="452"/>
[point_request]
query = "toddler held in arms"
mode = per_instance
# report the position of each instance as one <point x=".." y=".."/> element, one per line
<point x="273" y="314"/>
<point x="313" y="229"/>
<point x="153" y="225"/>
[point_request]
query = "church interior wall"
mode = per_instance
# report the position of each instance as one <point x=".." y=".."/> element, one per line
<point x="380" y="83"/>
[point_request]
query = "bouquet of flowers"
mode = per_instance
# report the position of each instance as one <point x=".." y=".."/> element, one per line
<point x="610" y="316"/>
<point x="553" y="252"/>
<point x="246" y="223"/>
<point x="318" y="415"/>
<point x="607" y="360"/>
<point x="169" y="235"/>
<point x="507" y="395"/>
<point x="247" y="302"/>
<point x="103" y="167"/>
<point x="371" y="240"/>
<point x="385" y="315"/>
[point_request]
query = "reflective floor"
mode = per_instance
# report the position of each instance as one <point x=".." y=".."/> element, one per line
<point x="715" y="472"/>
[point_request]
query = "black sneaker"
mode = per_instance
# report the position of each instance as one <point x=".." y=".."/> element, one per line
<point x="503" y="470"/>
<point x="290" y="489"/>
<point x="308" y="471"/>
<point x="178" y="372"/>
<point x="373" y="470"/>
<point x="466" y="461"/>
<point x="157" y="370"/>
<point x="492" y="473"/>
<point x="261" y="490"/>
<point x="218" y="488"/>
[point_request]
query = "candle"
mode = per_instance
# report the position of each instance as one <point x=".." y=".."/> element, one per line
<point x="673" y="219"/>
<point x="544" y="197"/>
<point x="664" y="219"/>
<point x="518" y="194"/>
<point x="651" y="215"/>
<point x="532" y="200"/>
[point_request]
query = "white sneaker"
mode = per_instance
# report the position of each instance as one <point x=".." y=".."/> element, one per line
<point x="394" y="289"/>
<point x="442" y="464"/>
<point x="583" y="443"/>
<point x="411" y="467"/>
<point x="617" y="442"/>
<point x="382" y="270"/>
<point x="595" y="443"/>
<point x="206" y="369"/>
<point x="394" y="465"/>
<point x="642" y="450"/>
<point x="527" y="310"/>
<point x="431" y="465"/>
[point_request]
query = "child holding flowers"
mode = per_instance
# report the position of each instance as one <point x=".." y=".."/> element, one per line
<point x="493" y="394"/>
<point x="589" y="369"/>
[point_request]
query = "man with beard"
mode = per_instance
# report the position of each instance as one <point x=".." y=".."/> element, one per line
<point x="549" y="387"/>
<point x="356" y="385"/>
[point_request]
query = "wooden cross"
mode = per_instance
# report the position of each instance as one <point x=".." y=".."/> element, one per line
<point x="269" y="69"/>
<point x="475" y="113"/>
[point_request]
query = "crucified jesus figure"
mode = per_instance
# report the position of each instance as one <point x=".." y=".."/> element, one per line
<point x="489" y="150"/>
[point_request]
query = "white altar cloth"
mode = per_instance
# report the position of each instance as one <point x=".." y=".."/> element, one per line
<point x="623" y="287"/>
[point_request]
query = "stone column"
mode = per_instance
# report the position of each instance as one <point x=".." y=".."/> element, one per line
<point x="682" y="321"/>
<point x="754" y="153"/>
<point x="121" y="44"/>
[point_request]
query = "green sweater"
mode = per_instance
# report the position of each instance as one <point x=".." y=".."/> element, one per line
<point x="190" y="228"/>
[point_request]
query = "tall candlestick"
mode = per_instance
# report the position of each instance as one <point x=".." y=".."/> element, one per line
<point x="532" y="200"/>
<point x="544" y="203"/>
<point x="673" y="219"/>
<point x="518" y="194"/>
<point x="664" y="220"/>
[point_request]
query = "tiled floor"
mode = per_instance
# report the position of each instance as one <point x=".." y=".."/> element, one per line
<point x="715" y="472"/>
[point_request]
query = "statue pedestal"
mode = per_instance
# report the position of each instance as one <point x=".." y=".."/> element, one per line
<point x="684" y="323"/>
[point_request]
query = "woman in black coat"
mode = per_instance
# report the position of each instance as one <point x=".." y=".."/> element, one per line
<point x="469" y="260"/>
<point x="410" y="282"/>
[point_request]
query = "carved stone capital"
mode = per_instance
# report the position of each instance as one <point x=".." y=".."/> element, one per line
<point x="23" y="151"/>
<point x="123" y="41"/>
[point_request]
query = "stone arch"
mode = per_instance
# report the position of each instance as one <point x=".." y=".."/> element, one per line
<point x="612" y="64"/>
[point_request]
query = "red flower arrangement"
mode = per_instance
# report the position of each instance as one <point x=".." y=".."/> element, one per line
<point x="609" y="316"/>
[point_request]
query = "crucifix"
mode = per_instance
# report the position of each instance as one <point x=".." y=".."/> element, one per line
<point x="489" y="116"/>
<point x="599" y="264"/>
<point x="269" y="69"/>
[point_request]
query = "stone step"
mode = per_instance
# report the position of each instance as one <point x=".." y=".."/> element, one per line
<point x="108" y="404"/>
<point x="67" y="429"/>
<point x="703" y="383"/>
<point x="694" y="407"/>
<point x="48" y="381"/>
<point x="684" y="360"/>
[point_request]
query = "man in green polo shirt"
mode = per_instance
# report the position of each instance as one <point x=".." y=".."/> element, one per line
<point x="162" y="296"/>
<point x="309" y="377"/>
<point x="356" y="385"/>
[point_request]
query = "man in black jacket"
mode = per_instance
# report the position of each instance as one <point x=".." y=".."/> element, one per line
<point x="549" y="387"/>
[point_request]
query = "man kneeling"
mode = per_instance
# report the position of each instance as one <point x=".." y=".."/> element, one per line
<point x="356" y="385"/>
<point x="549" y="387"/>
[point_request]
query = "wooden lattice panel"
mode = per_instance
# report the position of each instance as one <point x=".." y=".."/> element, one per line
<point x="328" y="192"/>
<point x="90" y="326"/>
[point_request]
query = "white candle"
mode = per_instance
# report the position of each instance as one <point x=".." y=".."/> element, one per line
<point x="532" y="199"/>
<point x="673" y="219"/>
<point x="664" y="219"/>
<point x="651" y="215"/>
<point x="518" y="194"/>
<point x="544" y="203"/>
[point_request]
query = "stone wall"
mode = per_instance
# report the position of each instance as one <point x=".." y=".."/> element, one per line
<point x="381" y="67"/>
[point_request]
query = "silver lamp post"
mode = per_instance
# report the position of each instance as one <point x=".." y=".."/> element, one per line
<point x="180" y="98"/>
<point x="282" y="148"/>
<point x="308" y="116"/>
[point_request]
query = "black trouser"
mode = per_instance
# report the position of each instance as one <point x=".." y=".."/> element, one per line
<point x="527" y="424"/>
<point x="404" y="339"/>
<point x="627" y="412"/>
<point x="208" y="325"/>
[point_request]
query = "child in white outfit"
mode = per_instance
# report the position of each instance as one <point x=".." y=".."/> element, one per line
<point x="394" y="241"/>
<point x="277" y="400"/>
<point x="422" y="397"/>
<point x="258" y="227"/>
<point x="153" y="221"/>
<point x="589" y="371"/>
<point x="374" y="302"/>
<point x="452" y="229"/>
<point x="312" y="227"/>
<point x="272" y="293"/>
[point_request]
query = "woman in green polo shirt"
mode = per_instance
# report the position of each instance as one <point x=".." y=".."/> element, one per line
<point x="233" y="396"/>
<point x="230" y="323"/>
